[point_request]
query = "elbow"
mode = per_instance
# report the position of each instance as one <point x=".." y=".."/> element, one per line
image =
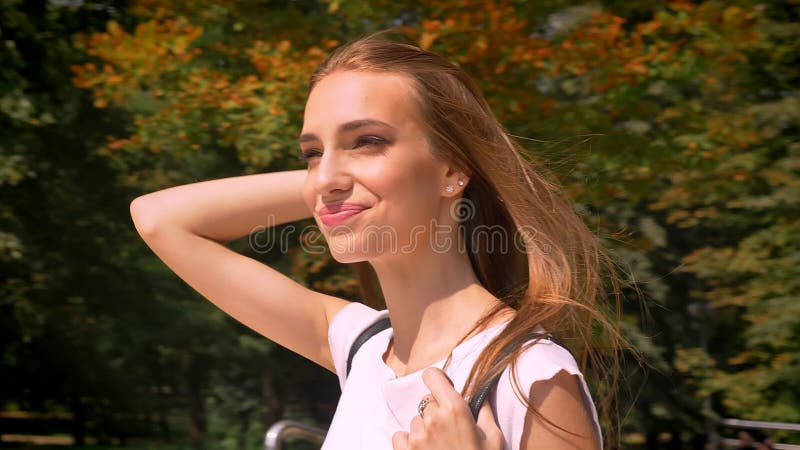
<point x="145" y="215"/>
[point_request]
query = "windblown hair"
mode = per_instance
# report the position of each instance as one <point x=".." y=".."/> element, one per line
<point x="557" y="274"/>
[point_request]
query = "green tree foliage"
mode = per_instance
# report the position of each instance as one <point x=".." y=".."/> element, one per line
<point x="92" y="325"/>
<point x="59" y="232"/>
<point x="673" y="125"/>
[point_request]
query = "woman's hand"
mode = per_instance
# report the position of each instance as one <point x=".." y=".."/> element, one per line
<point x="447" y="421"/>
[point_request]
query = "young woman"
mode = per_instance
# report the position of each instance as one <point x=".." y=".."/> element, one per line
<point x="473" y="246"/>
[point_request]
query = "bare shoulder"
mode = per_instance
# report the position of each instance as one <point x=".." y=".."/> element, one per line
<point x="564" y="420"/>
<point x="564" y="417"/>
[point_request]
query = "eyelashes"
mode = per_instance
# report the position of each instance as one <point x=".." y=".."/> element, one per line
<point x="308" y="154"/>
<point x="370" y="140"/>
<point x="361" y="141"/>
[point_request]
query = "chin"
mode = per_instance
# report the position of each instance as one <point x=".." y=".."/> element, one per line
<point x="345" y="258"/>
<point x="346" y="248"/>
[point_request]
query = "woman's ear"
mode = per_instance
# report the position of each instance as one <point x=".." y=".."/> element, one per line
<point x="455" y="179"/>
<point x="455" y="184"/>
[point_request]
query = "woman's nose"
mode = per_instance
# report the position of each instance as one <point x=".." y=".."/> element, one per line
<point x="332" y="173"/>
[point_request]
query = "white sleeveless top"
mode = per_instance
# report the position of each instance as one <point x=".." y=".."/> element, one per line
<point x="375" y="403"/>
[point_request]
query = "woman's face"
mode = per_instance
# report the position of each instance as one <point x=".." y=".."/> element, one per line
<point x="365" y="148"/>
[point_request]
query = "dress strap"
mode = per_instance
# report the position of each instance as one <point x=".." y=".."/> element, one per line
<point x="481" y="394"/>
<point x="365" y="335"/>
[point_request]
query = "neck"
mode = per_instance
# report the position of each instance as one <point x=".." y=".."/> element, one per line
<point x="434" y="299"/>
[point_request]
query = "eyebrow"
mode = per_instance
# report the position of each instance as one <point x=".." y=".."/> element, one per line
<point x="349" y="126"/>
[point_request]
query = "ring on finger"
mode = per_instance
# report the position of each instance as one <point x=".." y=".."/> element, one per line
<point x="422" y="404"/>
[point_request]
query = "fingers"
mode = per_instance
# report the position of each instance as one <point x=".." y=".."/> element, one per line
<point x="446" y="420"/>
<point x="486" y="416"/>
<point x="487" y="425"/>
<point x="441" y="387"/>
<point x="416" y="427"/>
<point x="426" y="404"/>
<point x="400" y="441"/>
<point x="414" y="438"/>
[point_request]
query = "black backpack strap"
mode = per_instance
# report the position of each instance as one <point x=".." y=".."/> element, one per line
<point x="477" y="400"/>
<point x="370" y="331"/>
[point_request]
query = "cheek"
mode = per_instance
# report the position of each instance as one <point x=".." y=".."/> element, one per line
<point x="412" y="193"/>
<point x="401" y="179"/>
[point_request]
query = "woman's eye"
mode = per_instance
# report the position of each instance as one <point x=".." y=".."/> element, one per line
<point x="363" y="141"/>
<point x="306" y="155"/>
<point x="369" y="140"/>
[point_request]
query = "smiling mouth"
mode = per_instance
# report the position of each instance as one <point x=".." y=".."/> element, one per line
<point x="339" y="217"/>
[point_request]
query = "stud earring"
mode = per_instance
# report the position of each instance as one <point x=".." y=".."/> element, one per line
<point x="449" y="188"/>
<point x="460" y="182"/>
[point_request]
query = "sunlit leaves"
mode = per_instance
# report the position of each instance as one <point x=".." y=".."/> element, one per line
<point x="661" y="121"/>
<point x="131" y="61"/>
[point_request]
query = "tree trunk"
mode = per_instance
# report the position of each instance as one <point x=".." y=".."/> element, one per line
<point x="163" y="424"/>
<point x="274" y="407"/>
<point x="193" y="375"/>
<point x="78" y="422"/>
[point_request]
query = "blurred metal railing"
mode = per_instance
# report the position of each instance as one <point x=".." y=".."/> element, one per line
<point x="284" y="429"/>
<point x="758" y="425"/>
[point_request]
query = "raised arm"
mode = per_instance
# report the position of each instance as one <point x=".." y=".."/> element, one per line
<point x="186" y="225"/>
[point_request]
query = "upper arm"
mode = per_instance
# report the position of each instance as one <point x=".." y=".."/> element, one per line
<point x="253" y="293"/>
<point x="560" y="401"/>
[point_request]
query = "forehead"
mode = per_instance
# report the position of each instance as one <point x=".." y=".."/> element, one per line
<point x="346" y="96"/>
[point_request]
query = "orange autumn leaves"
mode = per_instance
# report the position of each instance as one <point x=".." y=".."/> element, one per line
<point x="158" y="69"/>
<point x="131" y="60"/>
<point x="601" y="48"/>
<point x="182" y="102"/>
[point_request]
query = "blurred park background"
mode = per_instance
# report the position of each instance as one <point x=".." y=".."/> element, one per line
<point x="674" y="126"/>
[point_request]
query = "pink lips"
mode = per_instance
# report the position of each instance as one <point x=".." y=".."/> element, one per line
<point x="339" y="212"/>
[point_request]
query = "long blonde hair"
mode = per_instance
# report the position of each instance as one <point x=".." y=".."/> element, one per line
<point x="558" y="278"/>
